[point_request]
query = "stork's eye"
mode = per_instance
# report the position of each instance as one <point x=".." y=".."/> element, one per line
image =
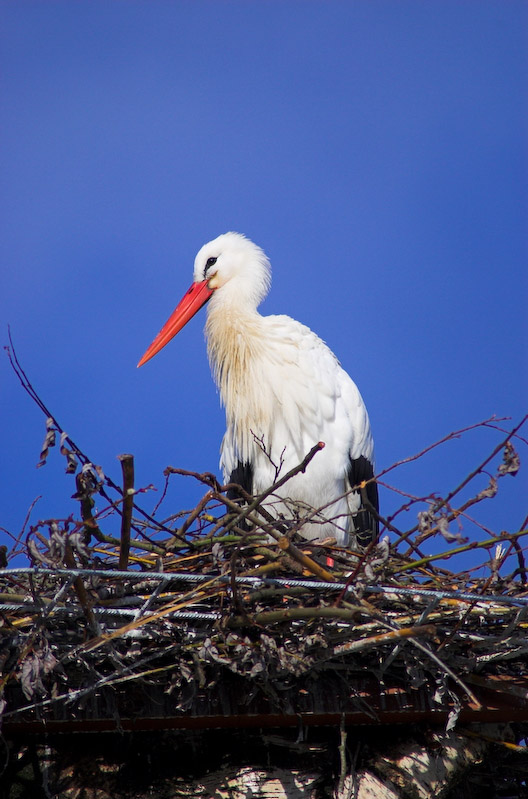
<point x="209" y="263"/>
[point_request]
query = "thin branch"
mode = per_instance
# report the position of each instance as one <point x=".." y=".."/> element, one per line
<point x="83" y="458"/>
<point x="471" y="475"/>
<point x="449" y="437"/>
<point x="415" y="564"/>
<point x="401" y="633"/>
<point x="127" y="466"/>
<point x="81" y="592"/>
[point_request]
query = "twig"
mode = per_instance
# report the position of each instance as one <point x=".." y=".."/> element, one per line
<point x="127" y="466"/>
<point x="520" y="558"/>
<point x="474" y="473"/>
<point x="309" y="564"/>
<point x="81" y="592"/>
<point x="415" y="564"/>
<point x="193" y="515"/>
<point x="449" y="437"/>
<point x="254" y="503"/>
<point x="259" y="441"/>
<point x="301" y="467"/>
<point x="269" y="617"/>
<point x="384" y="638"/>
<point x="283" y="542"/>
<point x="448" y="671"/>
<point x="82" y="457"/>
<point x="190" y="598"/>
<point x="342" y="755"/>
<point x="90" y="524"/>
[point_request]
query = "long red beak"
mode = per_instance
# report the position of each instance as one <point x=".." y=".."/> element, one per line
<point x="189" y="304"/>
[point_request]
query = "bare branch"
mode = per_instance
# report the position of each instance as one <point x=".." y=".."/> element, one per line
<point x="127" y="465"/>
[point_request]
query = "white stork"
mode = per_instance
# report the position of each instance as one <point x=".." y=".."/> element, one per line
<point x="283" y="391"/>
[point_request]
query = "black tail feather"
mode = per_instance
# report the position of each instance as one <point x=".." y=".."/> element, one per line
<point x="366" y="525"/>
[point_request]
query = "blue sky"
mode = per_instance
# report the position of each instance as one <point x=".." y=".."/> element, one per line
<point x="375" y="150"/>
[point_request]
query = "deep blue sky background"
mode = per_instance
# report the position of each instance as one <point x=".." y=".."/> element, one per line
<point x="376" y="150"/>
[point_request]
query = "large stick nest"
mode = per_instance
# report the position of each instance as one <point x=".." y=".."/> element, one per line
<point x="204" y="610"/>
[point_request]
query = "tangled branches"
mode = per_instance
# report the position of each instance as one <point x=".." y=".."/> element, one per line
<point x="233" y="588"/>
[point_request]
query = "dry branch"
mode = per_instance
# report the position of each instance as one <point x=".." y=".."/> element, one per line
<point x="127" y="467"/>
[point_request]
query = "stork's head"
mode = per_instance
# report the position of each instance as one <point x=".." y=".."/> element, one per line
<point x="236" y="267"/>
<point x="231" y="270"/>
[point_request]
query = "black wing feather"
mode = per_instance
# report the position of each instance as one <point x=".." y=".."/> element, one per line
<point x="366" y="526"/>
<point x="242" y="475"/>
